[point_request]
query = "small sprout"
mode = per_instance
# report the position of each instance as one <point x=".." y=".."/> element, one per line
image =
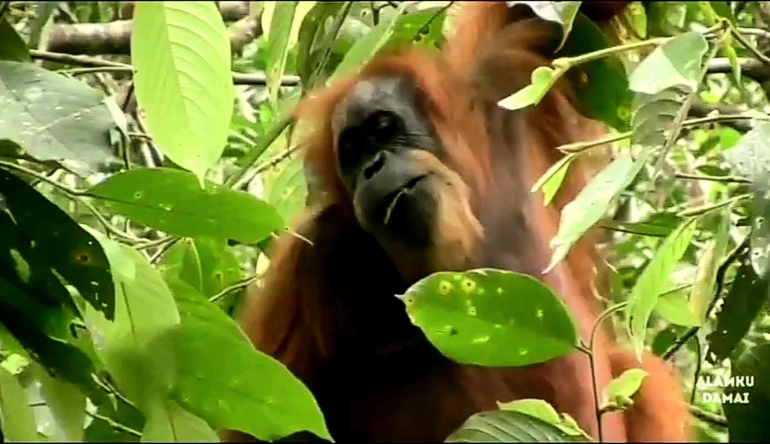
<point x="523" y="352"/>
<point x="499" y="290"/>
<point x="539" y="313"/>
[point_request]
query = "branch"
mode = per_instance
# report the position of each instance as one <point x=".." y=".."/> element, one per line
<point x="115" y="37"/>
<point x="102" y="65"/>
<point x="750" y="67"/>
<point x="231" y="11"/>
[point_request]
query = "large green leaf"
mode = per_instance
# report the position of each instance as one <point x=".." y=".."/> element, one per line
<point x="173" y="201"/>
<point x="54" y="117"/>
<point x="282" y="17"/>
<point x="509" y="426"/>
<point x="364" y="49"/>
<point x="310" y="36"/>
<point x="562" y="13"/>
<point x="593" y="201"/>
<point x="225" y="381"/>
<point x="139" y="347"/>
<point x="205" y="264"/>
<point x="13" y="47"/>
<point x="168" y="422"/>
<point x="491" y="317"/>
<point x="66" y="402"/>
<point x="50" y="242"/>
<point x="654" y="280"/>
<point x="16" y="417"/>
<point x="750" y="157"/>
<point x="600" y="85"/>
<point x="181" y="55"/>
<point x="676" y="63"/>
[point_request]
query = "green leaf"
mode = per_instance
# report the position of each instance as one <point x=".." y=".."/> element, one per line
<point x="16" y="417"/>
<point x="507" y="426"/>
<point x="601" y="86"/>
<point x="658" y="225"/>
<point x="225" y="381"/>
<point x="653" y="281"/>
<point x="139" y="347"/>
<point x="181" y="57"/>
<point x="168" y="422"/>
<point x="13" y="47"/>
<point x="52" y="244"/>
<point x="54" y="117"/>
<point x="655" y="115"/>
<point x="590" y="205"/>
<point x="675" y="308"/>
<point x="287" y="191"/>
<point x="562" y="13"/>
<point x="479" y="317"/>
<point x="66" y="402"/>
<point x="620" y="390"/>
<point x="543" y="79"/>
<point x="743" y="303"/>
<point x="173" y="201"/>
<point x="750" y="158"/>
<point x="723" y="9"/>
<point x="747" y="418"/>
<point x="702" y="293"/>
<point x="364" y="49"/>
<point x="205" y="264"/>
<point x="542" y="410"/>
<point x="310" y="36"/>
<point x="552" y="179"/>
<point x="676" y="63"/>
<point x="282" y="19"/>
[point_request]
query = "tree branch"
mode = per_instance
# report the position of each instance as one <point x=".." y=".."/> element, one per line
<point x="115" y="37"/>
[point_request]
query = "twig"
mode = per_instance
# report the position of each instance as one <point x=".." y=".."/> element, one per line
<point x="723" y="179"/>
<point x="243" y="283"/>
<point x="720" y="280"/>
<point x="747" y="44"/>
<point x="708" y="417"/>
<point x="102" y="65"/>
<point x="114" y="424"/>
<point x="594" y="383"/>
<point x="582" y="146"/>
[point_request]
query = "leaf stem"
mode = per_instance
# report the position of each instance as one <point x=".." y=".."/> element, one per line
<point x="723" y="179"/>
<point x="748" y="45"/>
<point x="582" y="146"/>
<point x="703" y="209"/>
<point x="569" y="62"/>
<point x="592" y="364"/>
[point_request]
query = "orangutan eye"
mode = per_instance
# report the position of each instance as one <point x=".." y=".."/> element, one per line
<point x="383" y="126"/>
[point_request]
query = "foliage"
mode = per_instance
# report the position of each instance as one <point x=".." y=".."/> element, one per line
<point x="127" y="233"/>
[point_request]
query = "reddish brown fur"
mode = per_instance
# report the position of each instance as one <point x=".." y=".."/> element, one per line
<point x="299" y="317"/>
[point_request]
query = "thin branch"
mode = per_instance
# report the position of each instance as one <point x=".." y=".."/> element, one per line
<point x="582" y="146"/>
<point x="707" y="416"/>
<point x="748" y="45"/>
<point x="243" y="283"/>
<point x="723" y="179"/>
<point x="110" y="66"/>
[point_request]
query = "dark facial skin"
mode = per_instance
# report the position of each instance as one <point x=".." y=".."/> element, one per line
<point x="379" y="133"/>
